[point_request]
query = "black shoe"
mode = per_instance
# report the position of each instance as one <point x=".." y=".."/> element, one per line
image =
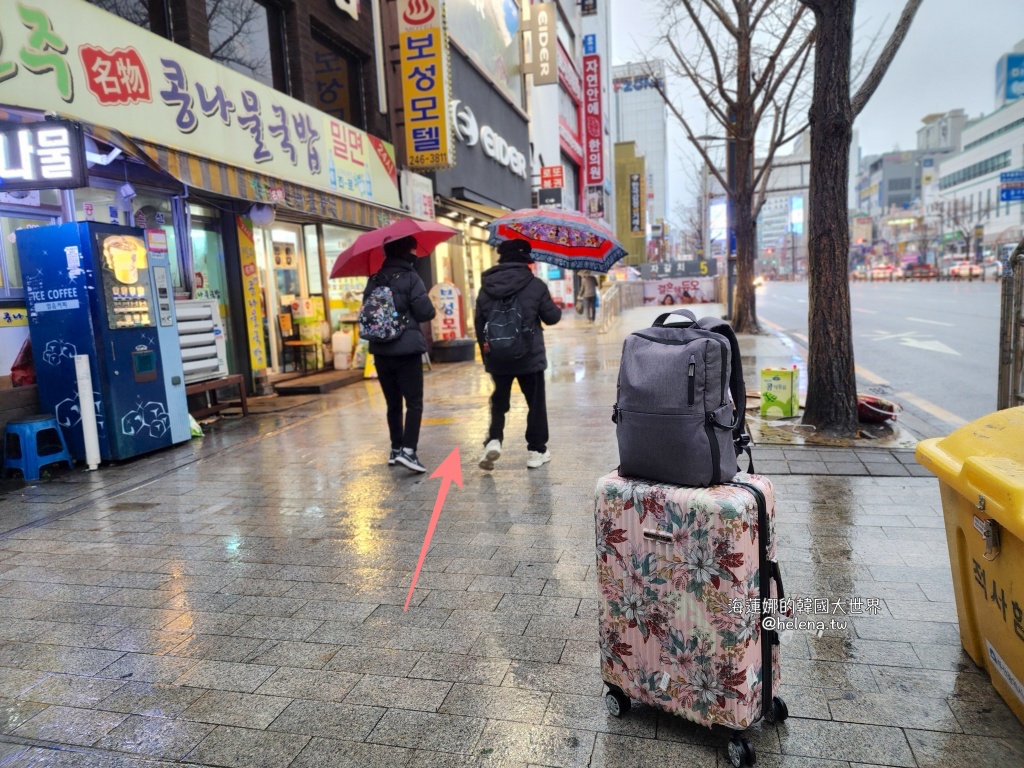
<point x="407" y="458"/>
<point x="393" y="458"/>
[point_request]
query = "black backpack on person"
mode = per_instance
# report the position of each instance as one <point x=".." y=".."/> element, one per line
<point x="504" y="336"/>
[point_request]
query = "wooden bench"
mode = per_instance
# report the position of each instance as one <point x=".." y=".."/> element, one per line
<point x="211" y="387"/>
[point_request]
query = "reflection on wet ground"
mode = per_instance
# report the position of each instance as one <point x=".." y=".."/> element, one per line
<point x="238" y="602"/>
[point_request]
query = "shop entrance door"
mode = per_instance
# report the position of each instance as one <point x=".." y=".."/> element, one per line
<point x="280" y="254"/>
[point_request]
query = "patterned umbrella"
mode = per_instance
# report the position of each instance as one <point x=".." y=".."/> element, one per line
<point x="564" y="238"/>
<point x="366" y="255"/>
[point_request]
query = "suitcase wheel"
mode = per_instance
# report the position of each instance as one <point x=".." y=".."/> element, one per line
<point x="617" y="702"/>
<point x="741" y="752"/>
<point x="778" y="711"/>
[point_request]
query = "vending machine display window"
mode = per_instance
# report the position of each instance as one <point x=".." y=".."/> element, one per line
<point x="126" y="281"/>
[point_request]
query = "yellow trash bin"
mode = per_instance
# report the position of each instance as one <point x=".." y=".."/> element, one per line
<point x="980" y="468"/>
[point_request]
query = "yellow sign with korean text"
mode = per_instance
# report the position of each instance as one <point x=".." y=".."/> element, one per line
<point x="90" y="65"/>
<point x="252" y="294"/>
<point x="13" y="316"/>
<point x="423" y="43"/>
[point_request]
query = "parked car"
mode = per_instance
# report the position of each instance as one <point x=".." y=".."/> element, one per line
<point x="965" y="270"/>
<point x="920" y="272"/>
<point x="992" y="268"/>
<point x="860" y="272"/>
<point x="882" y="272"/>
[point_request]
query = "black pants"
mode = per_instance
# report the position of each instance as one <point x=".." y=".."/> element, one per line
<point x="532" y="385"/>
<point x="591" y="302"/>
<point x="401" y="377"/>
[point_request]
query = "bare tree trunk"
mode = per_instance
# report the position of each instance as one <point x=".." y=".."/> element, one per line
<point x="832" y="382"/>
<point x="744" y="308"/>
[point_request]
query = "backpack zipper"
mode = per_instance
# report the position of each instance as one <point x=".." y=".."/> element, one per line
<point x="690" y="376"/>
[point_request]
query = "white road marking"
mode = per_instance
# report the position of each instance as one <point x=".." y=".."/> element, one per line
<point x="931" y="322"/>
<point x="934" y="410"/>
<point x="931" y="346"/>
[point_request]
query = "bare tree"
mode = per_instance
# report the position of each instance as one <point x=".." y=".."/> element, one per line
<point x="964" y="218"/>
<point x="693" y="219"/>
<point x="831" y="380"/>
<point x="747" y="65"/>
<point x="238" y="39"/>
<point x="135" y="11"/>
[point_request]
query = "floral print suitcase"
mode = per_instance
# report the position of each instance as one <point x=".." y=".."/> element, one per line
<point x="684" y="576"/>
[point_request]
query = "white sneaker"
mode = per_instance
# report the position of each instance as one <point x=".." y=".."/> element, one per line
<point x="492" y="452"/>
<point x="536" y="459"/>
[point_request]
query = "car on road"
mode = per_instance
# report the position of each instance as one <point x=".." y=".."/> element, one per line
<point x="860" y="272"/>
<point x="965" y="270"/>
<point x="920" y="272"/>
<point x="882" y="272"/>
<point x="992" y="268"/>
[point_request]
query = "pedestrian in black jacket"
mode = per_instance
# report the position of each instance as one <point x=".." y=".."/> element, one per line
<point x="513" y="277"/>
<point x="399" y="362"/>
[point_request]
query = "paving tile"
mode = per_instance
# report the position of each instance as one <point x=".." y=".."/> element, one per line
<point x="806" y="702"/>
<point x="66" y="725"/>
<point x="933" y="683"/>
<point x="13" y="682"/>
<point x="218" y="647"/>
<point x="276" y="628"/>
<point x="542" y="745"/>
<point x="149" y="641"/>
<point x="72" y="690"/>
<point x="147" y="668"/>
<point x="554" y="677"/>
<point x="615" y="751"/>
<point x="328" y="719"/>
<point x="309" y="684"/>
<point x="244" y="710"/>
<point x="427" y="730"/>
<point x="14" y="714"/>
<point x="372" y="661"/>
<point x="878" y="652"/>
<point x="460" y="669"/>
<point x="591" y="713"/>
<point x="949" y="750"/>
<point x="334" y="753"/>
<point x="151" y="699"/>
<point x="461" y="601"/>
<point x="207" y="623"/>
<point x="155" y="736"/>
<point x="496" y="703"/>
<point x="892" y="709"/>
<point x="408" y="693"/>
<point x="871" y="744"/>
<point x="244" y="748"/>
<point x="226" y="676"/>
<point x="292" y="654"/>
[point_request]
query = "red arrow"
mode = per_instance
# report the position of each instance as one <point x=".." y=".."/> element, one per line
<point x="450" y="471"/>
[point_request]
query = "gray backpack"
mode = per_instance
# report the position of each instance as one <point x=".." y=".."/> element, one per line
<point x="680" y="410"/>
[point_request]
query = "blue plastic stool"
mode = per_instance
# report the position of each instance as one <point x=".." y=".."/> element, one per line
<point x="26" y="438"/>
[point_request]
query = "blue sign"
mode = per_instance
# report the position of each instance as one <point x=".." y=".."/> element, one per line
<point x="1007" y="176"/>
<point x="1010" y="77"/>
<point x="589" y="44"/>
<point x="1012" y="194"/>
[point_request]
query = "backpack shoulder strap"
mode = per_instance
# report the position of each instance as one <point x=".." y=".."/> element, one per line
<point x="737" y="386"/>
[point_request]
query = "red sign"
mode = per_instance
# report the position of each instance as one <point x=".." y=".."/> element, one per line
<point x="385" y="158"/>
<point x="418" y="12"/>
<point x="593" y="124"/>
<point x="551" y="177"/>
<point x="276" y="194"/>
<point x="115" y="77"/>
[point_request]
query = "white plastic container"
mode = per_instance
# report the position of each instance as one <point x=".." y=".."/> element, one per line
<point x="341" y="345"/>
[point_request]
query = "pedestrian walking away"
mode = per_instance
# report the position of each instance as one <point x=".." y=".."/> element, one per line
<point x="510" y="309"/>
<point x="399" y="360"/>
<point x="589" y="284"/>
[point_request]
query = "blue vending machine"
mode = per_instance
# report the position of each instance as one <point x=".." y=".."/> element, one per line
<point x="99" y="290"/>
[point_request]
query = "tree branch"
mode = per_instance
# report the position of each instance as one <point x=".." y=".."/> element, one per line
<point x="874" y="78"/>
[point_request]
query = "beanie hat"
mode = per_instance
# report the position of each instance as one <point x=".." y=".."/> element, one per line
<point x="514" y="251"/>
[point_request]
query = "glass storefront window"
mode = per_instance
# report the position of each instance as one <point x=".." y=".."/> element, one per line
<point x="135" y="11"/>
<point x="153" y="211"/>
<point x="345" y="293"/>
<point x="313" y="276"/>
<point x="99" y="204"/>
<point x="337" y="82"/>
<point x="11" y="286"/>
<point x="243" y="37"/>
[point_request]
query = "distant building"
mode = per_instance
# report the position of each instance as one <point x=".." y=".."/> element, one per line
<point x="781" y="237"/>
<point x="1010" y="76"/>
<point x="941" y="131"/>
<point x="642" y="117"/>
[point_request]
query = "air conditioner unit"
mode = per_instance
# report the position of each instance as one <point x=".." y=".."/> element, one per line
<point x="201" y="333"/>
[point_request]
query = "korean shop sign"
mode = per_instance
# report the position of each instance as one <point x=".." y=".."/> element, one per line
<point x="541" y="43"/>
<point x="47" y="155"/>
<point x="636" y="223"/>
<point x="593" y="124"/>
<point x="423" y="44"/>
<point x="92" y="66"/>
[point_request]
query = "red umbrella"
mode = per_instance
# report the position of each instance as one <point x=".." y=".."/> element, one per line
<point x="366" y="255"/>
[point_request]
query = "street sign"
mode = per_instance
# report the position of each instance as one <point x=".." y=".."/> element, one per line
<point x="552" y="176"/>
<point x="1010" y="194"/>
<point x="675" y="269"/>
<point x="1006" y="176"/>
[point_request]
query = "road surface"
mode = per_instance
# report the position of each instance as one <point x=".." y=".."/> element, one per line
<point x="932" y="345"/>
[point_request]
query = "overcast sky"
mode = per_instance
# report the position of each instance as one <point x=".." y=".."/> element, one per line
<point x="948" y="60"/>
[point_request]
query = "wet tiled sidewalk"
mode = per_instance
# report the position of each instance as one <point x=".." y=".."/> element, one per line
<point x="238" y="602"/>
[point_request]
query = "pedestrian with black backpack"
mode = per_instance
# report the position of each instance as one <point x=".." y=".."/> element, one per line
<point x="395" y="302"/>
<point x="509" y="311"/>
